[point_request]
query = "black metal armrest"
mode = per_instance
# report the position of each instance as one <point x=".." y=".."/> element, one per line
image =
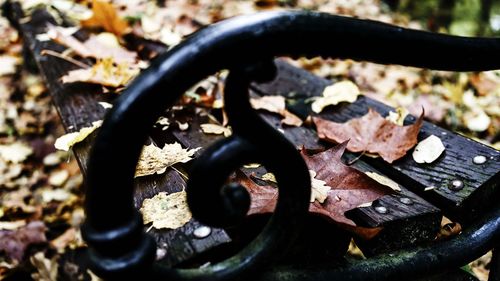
<point x="246" y="46"/>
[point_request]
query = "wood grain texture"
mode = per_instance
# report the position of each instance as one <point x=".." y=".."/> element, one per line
<point x="481" y="182"/>
<point x="78" y="107"/>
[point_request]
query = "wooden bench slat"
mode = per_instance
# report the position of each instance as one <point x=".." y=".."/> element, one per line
<point x="78" y="107"/>
<point x="481" y="181"/>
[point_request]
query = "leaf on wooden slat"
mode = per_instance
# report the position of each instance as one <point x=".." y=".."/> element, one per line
<point x="104" y="72"/>
<point x="166" y="211"/>
<point x="102" y="46"/>
<point x="428" y="150"/>
<point x="15" y="242"/>
<point x="215" y="129"/>
<point x="384" y="180"/>
<point x="65" y="142"/>
<point x="16" y="152"/>
<point x="343" y="91"/>
<point x="105" y="16"/>
<point x="276" y="104"/>
<point x="348" y="189"/>
<point x="155" y="160"/>
<point x="371" y="133"/>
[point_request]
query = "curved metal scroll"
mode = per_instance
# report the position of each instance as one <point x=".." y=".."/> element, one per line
<point x="113" y="229"/>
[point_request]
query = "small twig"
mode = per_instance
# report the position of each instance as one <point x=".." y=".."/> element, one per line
<point x="66" y="58"/>
<point x="356" y="159"/>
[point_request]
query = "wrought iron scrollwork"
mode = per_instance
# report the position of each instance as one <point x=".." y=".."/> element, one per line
<point x="246" y="45"/>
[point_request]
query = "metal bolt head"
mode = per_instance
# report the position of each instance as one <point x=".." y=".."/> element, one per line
<point x="202" y="232"/>
<point x="381" y="210"/>
<point x="406" y="201"/>
<point x="480" y="159"/>
<point x="456" y="185"/>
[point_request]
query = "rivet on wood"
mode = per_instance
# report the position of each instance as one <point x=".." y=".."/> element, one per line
<point x="456" y="185"/>
<point x="480" y="159"/>
<point x="381" y="209"/>
<point x="406" y="201"/>
<point x="202" y="232"/>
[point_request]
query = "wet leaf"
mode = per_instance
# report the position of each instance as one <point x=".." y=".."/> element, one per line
<point x="65" y="142"/>
<point x="348" y="189"/>
<point x="343" y="91"/>
<point x="428" y="150"/>
<point x="166" y="211"/>
<point x="155" y="160"/>
<point x="384" y="180"/>
<point x="371" y="133"/>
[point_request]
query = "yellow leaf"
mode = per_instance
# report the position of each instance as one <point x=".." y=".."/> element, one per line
<point x="166" y="211"/>
<point x="344" y="91"/>
<point x="46" y="269"/>
<point x="65" y="142"/>
<point x="105" y="16"/>
<point x="319" y="189"/>
<point x="215" y="129"/>
<point x="104" y="72"/>
<point x="269" y="177"/>
<point x="384" y="180"/>
<point x="155" y="160"/>
<point x="276" y="104"/>
<point x="428" y="150"/>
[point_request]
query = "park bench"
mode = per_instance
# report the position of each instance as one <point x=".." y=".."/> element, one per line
<point x="410" y="219"/>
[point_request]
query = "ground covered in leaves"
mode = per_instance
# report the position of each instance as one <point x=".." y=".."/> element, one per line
<point x="40" y="183"/>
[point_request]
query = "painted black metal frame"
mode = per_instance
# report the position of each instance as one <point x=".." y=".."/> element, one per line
<point x="246" y="46"/>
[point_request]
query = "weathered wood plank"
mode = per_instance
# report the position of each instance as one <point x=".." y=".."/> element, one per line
<point x="480" y="181"/>
<point x="78" y="107"/>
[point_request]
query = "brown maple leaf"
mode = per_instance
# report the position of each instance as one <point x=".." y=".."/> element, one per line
<point x="350" y="188"/>
<point x="371" y="133"/>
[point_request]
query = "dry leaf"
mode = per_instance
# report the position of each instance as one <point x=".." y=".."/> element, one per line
<point x="319" y="189"/>
<point x="8" y="64"/>
<point x="398" y="117"/>
<point x="215" y="129"/>
<point x="344" y="91"/>
<point x="384" y="180"/>
<point x="477" y="120"/>
<point x="15" y="242"/>
<point x="65" y="142"/>
<point x="105" y="16"/>
<point x="46" y="269"/>
<point x="102" y="46"/>
<point x="155" y="160"/>
<point x="428" y="150"/>
<point x="11" y="225"/>
<point x="276" y="104"/>
<point x="16" y="152"/>
<point x="371" y="133"/>
<point x="104" y="72"/>
<point x="166" y="211"/>
<point x="269" y="177"/>
<point x="65" y="239"/>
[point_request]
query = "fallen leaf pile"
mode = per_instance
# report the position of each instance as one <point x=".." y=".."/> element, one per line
<point x="371" y="133"/>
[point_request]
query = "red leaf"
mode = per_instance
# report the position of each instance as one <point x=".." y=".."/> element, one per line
<point x="349" y="189"/>
<point x="371" y="133"/>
